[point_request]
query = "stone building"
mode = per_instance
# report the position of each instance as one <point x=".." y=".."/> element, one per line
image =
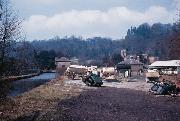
<point x="129" y="67"/>
<point x="62" y="64"/>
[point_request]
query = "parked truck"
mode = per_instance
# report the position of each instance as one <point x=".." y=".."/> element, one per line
<point x="152" y="76"/>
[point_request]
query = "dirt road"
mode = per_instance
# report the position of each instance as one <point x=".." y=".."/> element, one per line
<point x="72" y="100"/>
<point x="113" y="104"/>
<point x="127" y="101"/>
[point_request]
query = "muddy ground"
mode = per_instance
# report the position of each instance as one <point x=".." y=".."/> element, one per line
<point x="73" y="101"/>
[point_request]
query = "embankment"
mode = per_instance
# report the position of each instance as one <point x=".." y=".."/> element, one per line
<point x="14" y="78"/>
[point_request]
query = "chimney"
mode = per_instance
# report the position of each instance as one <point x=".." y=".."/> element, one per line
<point x="138" y="58"/>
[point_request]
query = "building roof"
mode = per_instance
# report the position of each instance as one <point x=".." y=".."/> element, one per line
<point x="130" y="62"/>
<point x="121" y="66"/>
<point x="62" y="59"/>
<point x="77" y="66"/>
<point x="171" y="63"/>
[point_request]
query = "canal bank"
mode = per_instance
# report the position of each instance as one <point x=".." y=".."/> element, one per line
<point x="14" y="78"/>
<point x="20" y="86"/>
<point x="36" y="102"/>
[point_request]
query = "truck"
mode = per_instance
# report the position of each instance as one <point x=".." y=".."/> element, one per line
<point x="152" y="76"/>
<point x="74" y="71"/>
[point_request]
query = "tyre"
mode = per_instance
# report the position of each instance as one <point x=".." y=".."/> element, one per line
<point x="87" y="83"/>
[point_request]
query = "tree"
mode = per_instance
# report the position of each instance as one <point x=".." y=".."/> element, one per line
<point x="174" y="41"/>
<point x="10" y="29"/>
<point x="45" y="59"/>
<point x="116" y="58"/>
<point x="174" y="46"/>
<point x="25" y="58"/>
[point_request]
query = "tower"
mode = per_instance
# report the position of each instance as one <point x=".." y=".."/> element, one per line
<point x="123" y="53"/>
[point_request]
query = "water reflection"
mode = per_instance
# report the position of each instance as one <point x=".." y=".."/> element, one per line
<point x="21" y="86"/>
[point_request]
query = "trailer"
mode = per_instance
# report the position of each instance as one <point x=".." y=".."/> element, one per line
<point x="152" y="76"/>
<point x="108" y="71"/>
<point x="74" y="71"/>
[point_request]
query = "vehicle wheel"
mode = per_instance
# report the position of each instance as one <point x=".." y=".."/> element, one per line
<point x="98" y="85"/>
<point x="87" y="83"/>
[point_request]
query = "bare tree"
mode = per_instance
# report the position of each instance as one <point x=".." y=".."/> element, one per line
<point x="25" y="56"/>
<point x="10" y="29"/>
<point x="174" y="43"/>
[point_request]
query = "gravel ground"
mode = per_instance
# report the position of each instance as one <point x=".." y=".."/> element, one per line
<point x="137" y="83"/>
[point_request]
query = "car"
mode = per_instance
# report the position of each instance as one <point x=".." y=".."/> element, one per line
<point x="93" y="80"/>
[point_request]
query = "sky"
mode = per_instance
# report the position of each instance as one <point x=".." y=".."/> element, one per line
<point x="45" y="19"/>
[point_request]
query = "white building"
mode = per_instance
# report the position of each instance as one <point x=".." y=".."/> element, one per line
<point x="166" y="67"/>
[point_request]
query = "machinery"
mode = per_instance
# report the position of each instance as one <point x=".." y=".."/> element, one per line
<point x="92" y="80"/>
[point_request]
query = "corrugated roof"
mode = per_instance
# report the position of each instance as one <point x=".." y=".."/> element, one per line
<point x="131" y="62"/>
<point x="62" y="59"/>
<point x="166" y="63"/>
<point x="77" y="66"/>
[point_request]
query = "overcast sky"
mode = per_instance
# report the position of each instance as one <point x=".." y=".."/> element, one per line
<point x="45" y="19"/>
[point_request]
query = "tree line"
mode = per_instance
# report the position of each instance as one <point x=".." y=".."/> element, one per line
<point x="156" y="40"/>
<point x="148" y="39"/>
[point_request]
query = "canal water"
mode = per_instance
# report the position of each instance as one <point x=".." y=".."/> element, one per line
<point x="21" y="86"/>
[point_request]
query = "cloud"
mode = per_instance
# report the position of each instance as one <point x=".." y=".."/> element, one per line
<point x="42" y="1"/>
<point x="88" y="23"/>
<point x="177" y="3"/>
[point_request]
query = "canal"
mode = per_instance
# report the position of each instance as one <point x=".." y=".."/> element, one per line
<point x="24" y="85"/>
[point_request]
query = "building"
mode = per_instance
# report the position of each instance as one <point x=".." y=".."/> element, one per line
<point x="74" y="61"/>
<point x="152" y="59"/>
<point x="129" y="67"/>
<point x="166" y="67"/>
<point x="62" y="64"/>
<point x="167" y="70"/>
